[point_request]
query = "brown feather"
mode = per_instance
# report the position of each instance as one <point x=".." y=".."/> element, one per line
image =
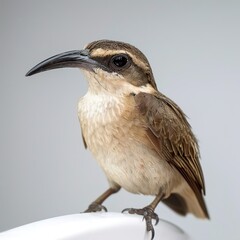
<point x="171" y="135"/>
<point x="177" y="203"/>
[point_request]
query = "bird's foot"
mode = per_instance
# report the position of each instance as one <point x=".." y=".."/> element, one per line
<point x="148" y="214"/>
<point x="95" y="207"/>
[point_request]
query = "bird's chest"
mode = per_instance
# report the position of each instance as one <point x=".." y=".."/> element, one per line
<point x="106" y="123"/>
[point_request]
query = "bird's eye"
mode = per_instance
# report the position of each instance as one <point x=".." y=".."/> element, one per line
<point x="119" y="62"/>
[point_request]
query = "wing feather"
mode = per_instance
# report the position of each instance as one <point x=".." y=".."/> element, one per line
<point x="172" y="137"/>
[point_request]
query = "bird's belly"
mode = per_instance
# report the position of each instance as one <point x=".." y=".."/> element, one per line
<point x="127" y="160"/>
<point x="135" y="168"/>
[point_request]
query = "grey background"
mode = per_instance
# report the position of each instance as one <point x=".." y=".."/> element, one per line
<point x="193" y="47"/>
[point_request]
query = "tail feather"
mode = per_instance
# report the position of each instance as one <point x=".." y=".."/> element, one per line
<point x="186" y="202"/>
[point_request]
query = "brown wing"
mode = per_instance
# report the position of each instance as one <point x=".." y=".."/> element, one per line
<point x="171" y="136"/>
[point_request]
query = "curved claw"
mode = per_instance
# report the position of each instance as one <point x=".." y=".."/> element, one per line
<point x="129" y="210"/>
<point x="153" y="233"/>
<point x="157" y="220"/>
<point x="148" y="215"/>
<point x="95" y="207"/>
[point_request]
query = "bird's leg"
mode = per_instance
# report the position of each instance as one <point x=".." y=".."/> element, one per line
<point x="96" y="206"/>
<point x="148" y="213"/>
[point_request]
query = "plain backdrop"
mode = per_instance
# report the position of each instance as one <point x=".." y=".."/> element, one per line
<point x="193" y="47"/>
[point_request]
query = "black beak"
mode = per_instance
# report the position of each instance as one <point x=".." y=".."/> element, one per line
<point x="76" y="58"/>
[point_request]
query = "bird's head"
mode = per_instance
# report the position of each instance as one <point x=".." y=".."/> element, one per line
<point x="108" y="65"/>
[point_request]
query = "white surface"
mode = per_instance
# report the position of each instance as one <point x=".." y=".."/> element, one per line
<point x="94" y="226"/>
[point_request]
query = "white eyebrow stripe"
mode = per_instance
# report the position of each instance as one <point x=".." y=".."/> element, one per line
<point x="100" y="52"/>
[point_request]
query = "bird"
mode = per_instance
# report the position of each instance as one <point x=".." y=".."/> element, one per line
<point x="141" y="139"/>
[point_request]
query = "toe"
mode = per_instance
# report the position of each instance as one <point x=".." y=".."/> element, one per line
<point x="148" y="215"/>
<point x="96" y="207"/>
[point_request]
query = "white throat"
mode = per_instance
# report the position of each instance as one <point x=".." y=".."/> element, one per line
<point x="110" y="84"/>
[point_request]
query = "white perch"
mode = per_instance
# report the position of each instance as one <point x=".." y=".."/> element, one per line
<point x="94" y="226"/>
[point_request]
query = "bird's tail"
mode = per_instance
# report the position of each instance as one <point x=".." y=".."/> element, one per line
<point x="186" y="201"/>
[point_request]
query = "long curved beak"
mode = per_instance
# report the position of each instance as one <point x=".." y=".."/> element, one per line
<point x="75" y="58"/>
